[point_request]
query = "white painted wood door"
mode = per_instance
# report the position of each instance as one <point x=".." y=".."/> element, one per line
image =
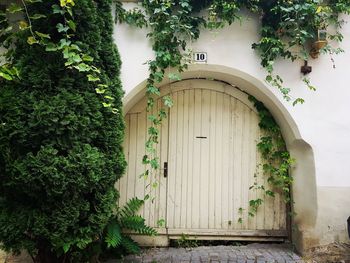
<point x="133" y="184"/>
<point x="209" y="142"/>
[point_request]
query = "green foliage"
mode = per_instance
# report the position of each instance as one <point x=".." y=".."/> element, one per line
<point x="114" y="240"/>
<point x="60" y="146"/>
<point x="276" y="159"/>
<point x="186" y="241"/>
<point x="127" y="219"/>
<point x="288" y="30"/>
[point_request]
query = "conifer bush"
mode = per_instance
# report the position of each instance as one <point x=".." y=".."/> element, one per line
<point x="60" y="148"/>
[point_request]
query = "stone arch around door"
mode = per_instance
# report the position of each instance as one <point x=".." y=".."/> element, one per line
<point x="304" y="188"/>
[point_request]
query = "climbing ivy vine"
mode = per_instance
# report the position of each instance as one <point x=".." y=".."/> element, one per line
<point x="288" y="30"/>
<point x="277" y="161"/>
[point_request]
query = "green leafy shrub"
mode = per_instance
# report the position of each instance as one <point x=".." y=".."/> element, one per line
<point x="60" y="146"/>
<point x="115" y="240"/>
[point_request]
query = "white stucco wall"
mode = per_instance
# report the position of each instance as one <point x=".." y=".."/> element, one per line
<point x="323" y="121"/>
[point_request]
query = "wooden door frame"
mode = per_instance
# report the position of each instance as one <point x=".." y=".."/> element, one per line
<point x="304" y="190"/>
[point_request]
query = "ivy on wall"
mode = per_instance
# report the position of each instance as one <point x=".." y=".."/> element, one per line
<point x="289" y="30"/>
<point x="294" y="30"/>
<point x="277" y="161"/>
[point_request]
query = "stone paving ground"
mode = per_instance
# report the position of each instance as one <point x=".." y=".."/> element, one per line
<point x="253" y="253"/>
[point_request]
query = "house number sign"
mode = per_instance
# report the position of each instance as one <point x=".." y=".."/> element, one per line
<point x="200" y="57"/>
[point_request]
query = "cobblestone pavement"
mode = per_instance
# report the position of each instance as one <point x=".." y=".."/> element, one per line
<point x="253" y="253"/>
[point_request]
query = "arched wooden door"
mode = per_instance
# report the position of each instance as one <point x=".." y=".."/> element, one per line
<point x="209" y="144"/>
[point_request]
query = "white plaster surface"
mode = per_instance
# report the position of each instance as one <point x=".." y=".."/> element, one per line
<point x="323" y="120"/>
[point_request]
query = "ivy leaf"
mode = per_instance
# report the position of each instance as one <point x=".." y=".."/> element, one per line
<point x="153" y="131"/>
<point x="57" y="10"/>
<point x="173" y="76"/>
<point x="61" y="28"/>
<point x="144" y="175"/>
<point x="151" y="89"/>
<point x="268" y="78"/>
<point x="63" y="3"/>
<point x="87" y="58"/>
<point x="7" y="29"/>
<point x="72" y="25"/>
<point x="82" y="67"/>
<point x="109" y="97"/>
<point x="23" y="25"/>
<point x="106" y="105"/>
<point x="66" y="247"/>
<point x="145" y="159"/>
<point x="6" y="76"/>
<point x="161" y="223"/>
<point x="51" y="47"/>
<point x="158" y="76"/>
<point x="270" y="193"/>
<point x="69" y="10"/>
<point x="298" y="100"/>
<point x="64" y="43"/>
<point x="31" y="40"/>
<point x="93" y="78"/>
<point x="14" y="8"/>
<point x="42" y="35"/>
<point x="75" y="47"/>
<point x="100" y="91"/>
<point x="37" y="16"/>
<point x="154" y="163"/>
<point x="76" y="58"/>
<point x="151" y="118"/>
<point x="168" y="102"/>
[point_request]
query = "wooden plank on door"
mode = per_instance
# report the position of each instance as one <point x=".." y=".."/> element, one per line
<point x="164" y="139"/>
<point x="219" y="144"/>
<point x="123" y="180"/>
<point x="205" y="161"/>
<point x="178" y="132"/>
<point x="139" y="180"/>
<point x="196" y="182"/>
<point x="212" y="158"/>
<point x="190" y="158"/>
<point x="171" y="189"/>
<point x="185" y="163"/>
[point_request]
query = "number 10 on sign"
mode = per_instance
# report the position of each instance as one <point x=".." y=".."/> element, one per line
<point x="200" y="57"/>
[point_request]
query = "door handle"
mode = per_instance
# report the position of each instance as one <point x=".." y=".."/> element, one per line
<point x="165" y="169"/>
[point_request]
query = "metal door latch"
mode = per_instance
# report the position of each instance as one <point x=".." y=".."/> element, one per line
<point x="165" y="169"/>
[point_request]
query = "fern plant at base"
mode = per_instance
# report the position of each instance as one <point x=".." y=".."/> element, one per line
<point x="127" y="219"/>
<point x="60" y="147"/>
